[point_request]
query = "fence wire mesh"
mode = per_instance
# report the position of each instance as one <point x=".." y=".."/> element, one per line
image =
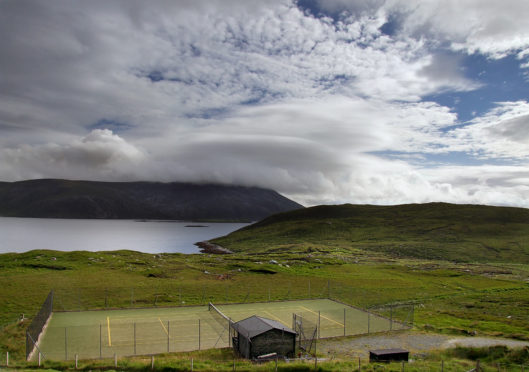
<point x="205" y="329"/>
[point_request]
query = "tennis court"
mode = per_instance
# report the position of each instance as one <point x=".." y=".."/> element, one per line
<point x="101" y="334"/>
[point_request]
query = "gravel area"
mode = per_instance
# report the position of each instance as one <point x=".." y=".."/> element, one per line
<point x="415" y="342"/>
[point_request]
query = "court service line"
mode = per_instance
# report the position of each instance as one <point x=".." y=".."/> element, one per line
<point x="323" y="316"/>
<point x="108" y="328"/>
<point x="165" y="329"/>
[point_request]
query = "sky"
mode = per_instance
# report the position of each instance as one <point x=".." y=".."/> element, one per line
<point x="325" y="101"/>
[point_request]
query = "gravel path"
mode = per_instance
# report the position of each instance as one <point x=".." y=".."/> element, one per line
<point x="417" y="343"/>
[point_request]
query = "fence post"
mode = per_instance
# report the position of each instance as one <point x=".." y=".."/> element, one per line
<point x="191" y="364"/>
<point x="40" y="355"/>
<point x="344" y="321"/>
<point x="390" y="317"/>
<point x="402" y="368"/>
<point x="478" y="368"/>
<point x="76" y="360"/>
<point x="100" y="346"/>
<point x="442" y="365"/>
<point x="328" y="289"/>
<point x="7" y="358"/>
<point x="115" y="360"/>
<point x="309" y="288"/>
<point x="65" y="345"/>
<point x="229" y="333"/>
<point x="198" y="334"/>
<point x="134" y="338"/>
<point x="152" y="362"/>
<point x="319" y="317"/>
<point x="168" y="330"/>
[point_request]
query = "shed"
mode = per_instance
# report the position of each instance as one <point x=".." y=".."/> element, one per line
<point x="258" y="336"/>
<point x="388" y="355"/>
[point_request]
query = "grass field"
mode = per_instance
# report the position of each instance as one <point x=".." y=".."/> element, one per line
<point x="101" y="334"/>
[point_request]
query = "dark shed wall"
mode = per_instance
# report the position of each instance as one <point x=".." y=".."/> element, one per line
<point x="244" y="346"/>
<point x="273" y="341"/>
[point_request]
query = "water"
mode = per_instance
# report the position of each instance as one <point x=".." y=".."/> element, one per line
<point x="26" y="234"/>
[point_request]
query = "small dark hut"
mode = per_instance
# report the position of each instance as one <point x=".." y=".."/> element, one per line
<point x="257" y="336"/>
<point x="388" y="355"/>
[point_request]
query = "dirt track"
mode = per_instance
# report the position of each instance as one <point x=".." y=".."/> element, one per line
<point x="416" y="343"/>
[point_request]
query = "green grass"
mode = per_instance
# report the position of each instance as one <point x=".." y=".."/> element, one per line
<point x="455" y="298"/>
<point x="461" y="233"/>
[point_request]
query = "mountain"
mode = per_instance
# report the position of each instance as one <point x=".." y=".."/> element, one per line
<point x="53" y="198"/>
<point x="429" y="231"/>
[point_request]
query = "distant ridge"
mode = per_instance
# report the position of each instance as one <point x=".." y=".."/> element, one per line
<point x="55" y="198"/>
<point x="455" y="232"/>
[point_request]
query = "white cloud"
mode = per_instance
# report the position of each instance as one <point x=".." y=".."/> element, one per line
<point x="259" y="94"/>
<point x="501" y="133"/>
<point x="494" y="28"/>
<point x="101" y="155"/>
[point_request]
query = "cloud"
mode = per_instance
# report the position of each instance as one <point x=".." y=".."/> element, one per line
<point x="500" y="133"/>
<point x="260" y="93"/>
<point x="99" y="155"/>
<point x="474" y="26"/>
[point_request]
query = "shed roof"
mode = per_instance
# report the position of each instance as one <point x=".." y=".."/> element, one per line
<point x="256" y="325"/>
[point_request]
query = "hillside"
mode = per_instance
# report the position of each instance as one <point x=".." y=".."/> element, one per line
<point x="431" y="231"/>
<point x="52" y="198"/>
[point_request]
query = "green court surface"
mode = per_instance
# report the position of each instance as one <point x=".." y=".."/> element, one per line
<point x="95" y="334"/>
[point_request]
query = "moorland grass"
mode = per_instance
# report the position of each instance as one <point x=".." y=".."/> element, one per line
<point x="451" y="297"/>
<point x="439" y="231"/>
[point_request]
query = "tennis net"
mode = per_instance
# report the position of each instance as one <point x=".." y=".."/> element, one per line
<point x="219" y="316"/>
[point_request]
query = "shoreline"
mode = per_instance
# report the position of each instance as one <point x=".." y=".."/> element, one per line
<point x="207" y="247"/>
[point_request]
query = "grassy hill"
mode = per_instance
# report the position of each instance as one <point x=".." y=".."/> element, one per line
<point x="462" y="233"/>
